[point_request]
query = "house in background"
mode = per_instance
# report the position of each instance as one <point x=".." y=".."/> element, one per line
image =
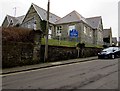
<point x="12" y="21"/>
<point x="97" y="25"/>
<point x="107" y="36"/>
<point x="114" y="41"/>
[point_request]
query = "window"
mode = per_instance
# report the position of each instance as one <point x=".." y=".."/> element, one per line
<point x="28" y="25"/>
<point x="50" y="32"/>
<point x="71" y="28"/>
<point x="11" y="22"/>
<point x="58" y="30"/>
<point x="90" y="33"/>
<point x="85" y="30"/>
<point x="50" y="27"/>
<point x="34" y="25"/>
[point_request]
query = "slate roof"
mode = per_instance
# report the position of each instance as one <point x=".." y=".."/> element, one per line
<point x="15" y="20"/>
<point x="107" y="33"/>
<point x="20" y="19"/>
<point x="94" y="21"/>
<point x="9" y="18"/>
<point x="74" y="16"/>
<point x="43" y="14"/>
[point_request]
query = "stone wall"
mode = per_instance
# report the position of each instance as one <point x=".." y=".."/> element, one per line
<point x="57" y="53"/>
<point x="19" y="54"/>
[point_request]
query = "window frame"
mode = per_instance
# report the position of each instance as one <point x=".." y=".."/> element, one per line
<point x="58" y="30"/>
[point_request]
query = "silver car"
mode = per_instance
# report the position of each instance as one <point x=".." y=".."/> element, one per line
<point x="111" y="52"/>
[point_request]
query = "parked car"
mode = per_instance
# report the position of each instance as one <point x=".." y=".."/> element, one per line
<point x="111" y="52"/>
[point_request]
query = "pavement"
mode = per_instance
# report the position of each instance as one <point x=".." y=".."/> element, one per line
<point x="45" y="65"/>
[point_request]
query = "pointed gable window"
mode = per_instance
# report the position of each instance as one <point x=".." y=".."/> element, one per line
<point x="35" y="25"/>
<point x="11" y="22"/>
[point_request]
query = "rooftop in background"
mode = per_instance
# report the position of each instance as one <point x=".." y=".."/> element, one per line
<point x="94" y="21"/>
<point x="20" y="18"/>
<point x="107" y="33"/>
<point x="114" y="40"/>
<point x="15" y="20"/>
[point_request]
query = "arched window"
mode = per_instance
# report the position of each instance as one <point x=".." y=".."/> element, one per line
<point x="11" y="22"/>
<point x="35" y="25"/>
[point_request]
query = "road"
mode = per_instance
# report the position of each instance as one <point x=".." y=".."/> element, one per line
<point x="95" y="74"/>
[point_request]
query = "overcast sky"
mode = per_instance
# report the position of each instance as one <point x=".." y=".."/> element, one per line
<point x="108" y="9"/>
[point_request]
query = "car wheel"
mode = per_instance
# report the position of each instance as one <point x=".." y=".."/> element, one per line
<point x="113" y="56"/>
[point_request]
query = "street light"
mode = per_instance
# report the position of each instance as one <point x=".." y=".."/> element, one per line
<point x="46" y="34"/>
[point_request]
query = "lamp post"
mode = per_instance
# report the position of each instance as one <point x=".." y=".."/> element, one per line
<point x="46" y="34"/>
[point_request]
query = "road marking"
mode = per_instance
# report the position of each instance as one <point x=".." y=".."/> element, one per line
<point x="44" y="68"/>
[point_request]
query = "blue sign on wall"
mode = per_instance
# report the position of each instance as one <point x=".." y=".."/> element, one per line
<point x="73" y="33"/>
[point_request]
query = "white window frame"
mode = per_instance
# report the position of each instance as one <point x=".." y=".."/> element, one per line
<point x="71" y="27"/>
<point x="50" y="32"/>
<point x="85" y="30"/>
<point x="91" y="33"/>
<point x="58" y="30"/>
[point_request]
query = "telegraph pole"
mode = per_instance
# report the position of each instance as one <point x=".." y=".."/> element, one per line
<point x="46" y="34"/>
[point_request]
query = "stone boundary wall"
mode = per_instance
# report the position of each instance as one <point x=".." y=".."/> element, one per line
<point x="17" y="54"/>
<point x="57" y="53"/>
<point x="20" y="54"/>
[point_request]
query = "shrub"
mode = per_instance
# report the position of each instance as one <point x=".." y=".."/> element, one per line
<point x="17" y="34"/>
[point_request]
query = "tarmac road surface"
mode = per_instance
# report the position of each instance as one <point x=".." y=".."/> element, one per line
<point x="96" y="74"/>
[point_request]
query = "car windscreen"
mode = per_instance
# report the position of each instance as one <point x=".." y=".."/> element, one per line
<point x="108" y="49"/>
<point x="111" y="49"/>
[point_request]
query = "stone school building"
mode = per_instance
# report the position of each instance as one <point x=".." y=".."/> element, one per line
<point x="89" y="30"/>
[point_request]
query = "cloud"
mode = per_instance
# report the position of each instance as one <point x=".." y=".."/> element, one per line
<point x="87" y="8"/>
